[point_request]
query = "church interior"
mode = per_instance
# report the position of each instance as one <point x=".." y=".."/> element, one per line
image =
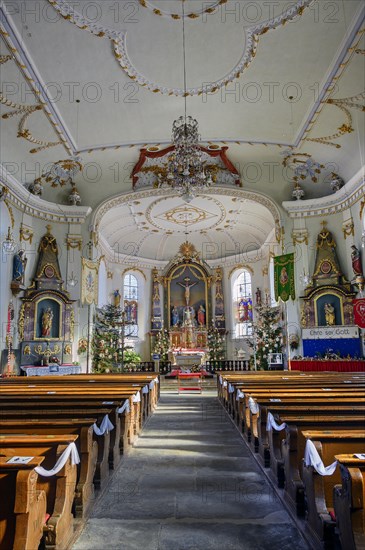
<point x="182" y="239"/>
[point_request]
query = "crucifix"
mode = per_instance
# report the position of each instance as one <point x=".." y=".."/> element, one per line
<point x="187" y="287"/>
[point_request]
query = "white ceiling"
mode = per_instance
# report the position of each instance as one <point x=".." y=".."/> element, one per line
<point x="299" y="59"/>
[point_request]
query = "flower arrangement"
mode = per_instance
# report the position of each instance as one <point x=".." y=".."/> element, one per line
<point x="293" y="341"/>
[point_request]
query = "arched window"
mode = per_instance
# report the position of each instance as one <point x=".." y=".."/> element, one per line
<point x="242" y="304"/>
<point x="130" y="288"/>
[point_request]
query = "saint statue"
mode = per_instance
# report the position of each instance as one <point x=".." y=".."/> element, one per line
<point x="47" y="319"/>
<point x="187" y="287"/>
<point x="258" y="297"/>
<point x="356" y="261"/>
<point x="201" y="316"/>
<point x="19" y="264"/>
<point x="329" y="313"/>
<point x="174" y="316"/>
<point x="117" y="298"/>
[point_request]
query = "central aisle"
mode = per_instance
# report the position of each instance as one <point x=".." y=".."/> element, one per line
<point x="189" y="483"/>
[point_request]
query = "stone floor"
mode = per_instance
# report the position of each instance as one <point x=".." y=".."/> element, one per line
<point x="190" y="483"/>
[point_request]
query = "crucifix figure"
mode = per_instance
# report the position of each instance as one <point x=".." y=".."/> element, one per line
<point x="187" y="287"/>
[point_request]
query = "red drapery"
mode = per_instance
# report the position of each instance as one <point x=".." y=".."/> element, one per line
<point x="338" y="366"/>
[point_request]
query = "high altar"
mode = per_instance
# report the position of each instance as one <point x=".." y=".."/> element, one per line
<point x="189" y="305"/>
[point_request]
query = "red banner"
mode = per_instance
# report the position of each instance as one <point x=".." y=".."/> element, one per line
<point x="359" y="312"/>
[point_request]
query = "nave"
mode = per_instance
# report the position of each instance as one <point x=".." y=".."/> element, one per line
<point x="189" y="483"/>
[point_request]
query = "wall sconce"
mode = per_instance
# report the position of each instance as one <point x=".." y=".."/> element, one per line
<point x="9" y="243"/>
<point x="71" y="280"/>
<point x="305" y="279"/>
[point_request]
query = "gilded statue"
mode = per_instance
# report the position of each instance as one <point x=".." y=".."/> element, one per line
<point x="329" y="313"/>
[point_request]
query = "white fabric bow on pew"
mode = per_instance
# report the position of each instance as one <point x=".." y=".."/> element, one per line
<point x="312" y="458"/>
<point x="136" y="397"/>
<point x="254" y="408"/>
<point x="105" y="426"/>
<point x="124" y="408"/>
<point x="75" y="459"/>
<point x="225" y="383"/>
<point x="239" y="395"/>
<point x="230" y="388"/>
<point x="145" y="389"/>
<point x="270" y="424"/>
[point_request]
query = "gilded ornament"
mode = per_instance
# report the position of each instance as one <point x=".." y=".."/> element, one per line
<point x="67" y="349"/>
<point x="21" y="323"/>
<point x="27" y="351"/>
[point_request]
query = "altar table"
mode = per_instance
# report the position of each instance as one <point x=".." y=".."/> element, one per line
<point x="50" y="370"/>
<point x="324" y="365"/>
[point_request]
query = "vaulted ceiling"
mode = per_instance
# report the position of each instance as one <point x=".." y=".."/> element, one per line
<point x="108" y="80"/>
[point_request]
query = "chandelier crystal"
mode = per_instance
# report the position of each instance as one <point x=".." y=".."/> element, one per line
<point x="9" y="244"/>
<point x="185" y="168"/>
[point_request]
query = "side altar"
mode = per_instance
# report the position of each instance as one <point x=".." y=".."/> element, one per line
<point x="46" y="317"/>
<point x="190" y="301"/>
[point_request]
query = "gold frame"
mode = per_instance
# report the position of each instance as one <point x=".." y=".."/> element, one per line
<point x="59" y="337"/>
<point x="204" y="277"/>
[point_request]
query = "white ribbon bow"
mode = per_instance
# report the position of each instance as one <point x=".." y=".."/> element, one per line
<point x="124" y="408"/>
<point x="75" y="459"/>
<point x="239" y="395"/>
<point x="270" y="424"/>
<point x="254" y="408"/>
<point x="136" y="397"/>
<point x="105" y="426"/>
<point x="312" y="458"/>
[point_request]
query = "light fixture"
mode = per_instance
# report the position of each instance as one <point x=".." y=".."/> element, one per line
<point x="9" y="243"/>
<point x="185" y="171"/>
<point x="298" y="192"/>
<point x="305" y="279"/>
<point x="59" y="173"/>
<point x="336" y="182"/>
<point x="71" y="280"/>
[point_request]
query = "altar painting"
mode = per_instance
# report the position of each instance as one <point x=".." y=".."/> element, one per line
<point x="187" y="297"/>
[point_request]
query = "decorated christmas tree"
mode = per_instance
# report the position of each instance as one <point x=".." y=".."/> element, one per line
<point x="215" y="344"/>
<point x="108" y="347"/>
<point x="162" y="343"/>
<point x="267" y="334"/>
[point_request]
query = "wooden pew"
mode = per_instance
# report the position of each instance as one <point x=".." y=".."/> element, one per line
<point x="23" y="511"/>
<point x="52" y="412"/>
<point x="91" y="392"/>
<point x="288" y="465"/>
<point x="87" y="447"/>
<point x="59" y="489"/>
<point x="349" y="502"/>
<point x="303" y="406"/>
<point x="319" y="489"/>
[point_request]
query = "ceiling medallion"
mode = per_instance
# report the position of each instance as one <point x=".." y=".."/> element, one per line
<point x="186" y="215"/>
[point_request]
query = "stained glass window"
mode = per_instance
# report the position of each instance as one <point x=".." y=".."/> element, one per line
<point x="242" y="304"/>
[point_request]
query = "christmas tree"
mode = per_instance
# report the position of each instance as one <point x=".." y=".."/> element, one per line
<point x="162" y="343"/>
<point x="107" y="344"/>
<point x="215" y="344"/>
<point x="268" y="335"/>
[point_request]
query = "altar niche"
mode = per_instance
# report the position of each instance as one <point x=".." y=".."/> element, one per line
<point x="48" y="319"/>
<point x="188" y="307"/>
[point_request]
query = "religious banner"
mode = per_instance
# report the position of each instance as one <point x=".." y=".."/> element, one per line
<point x="284" y="277"/>
<point x="359" y="312"/>
<point x="89" y="282"/>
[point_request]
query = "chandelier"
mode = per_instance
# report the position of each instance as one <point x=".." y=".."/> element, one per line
<point x="185" y="170"/>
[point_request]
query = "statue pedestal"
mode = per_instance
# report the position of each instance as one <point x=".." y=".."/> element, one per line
<point x="16" y="287"/>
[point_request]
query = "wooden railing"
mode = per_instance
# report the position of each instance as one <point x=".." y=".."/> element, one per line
<point x="149" y="366"/>
<point x="227" y="365"/>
